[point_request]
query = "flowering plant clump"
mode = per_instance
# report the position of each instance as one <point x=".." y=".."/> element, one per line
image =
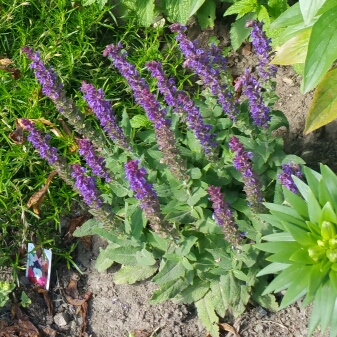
<point x="178" y="196"/>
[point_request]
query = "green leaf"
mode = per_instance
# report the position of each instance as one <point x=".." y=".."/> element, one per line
<point x="278" y="247"/>
<point x="145" y="258"/>
<point x="296" y="202"/>
<point x="273" y="268"/>
<point x="309" y="9"/>
<point x="323" y="108"/>
<point x="206" y="15"/>
<point x="193" y="292"/>
<point x="156" y="241"/>
<point x="25" y="300"/>
<point x="283" y="236"/>
<point x="87" y="228"/>
<point x="219" y="299"/>
<point x="123" y="255"/>
<point x="103" y="262"/>
<point x="139" y="121"/>
<point x="301" y="255"/>
<point x="109" y="235"/>
<point x="272" y="219"/>
<point x="145" y="12"/>
<point x="290" y="17"/>
<point x="207" y="315"/>
<point x="263" y="15"/>
<point x="239" y="307"/>
<point x="284" y="278"/>
<point x="313" y="179"/>
<point x="195" y="173"/>
<point x="300" y="235"/>
<point x="278" y="119"/>
<point x="267" y="301"/>
<point x="238" y="32"/>
<point x="118" y="189"/>
<point x="171" y="271"/>
<point x="169" y="290"/>
<point x="327" y="301"/>
<point x="132" y="274"/>
<point x="126" y="126"/>
<point x="178" y="10"/>
<point x="298" y="287"/>
<point x="196" y="196"/>
<point x="330" y="181"/>
<point x="317" y="275"/>
<point x="294" y="50"/>
<point x="321" y="50"/>
<point x="241" y="8"/>
<point x="185" y="247"/>
<point x="328" y="214"/>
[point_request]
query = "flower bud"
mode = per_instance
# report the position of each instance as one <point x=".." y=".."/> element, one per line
<point x="323" y="244"/>
<point x="328" y="230"/>
<point x="334" y="266"/>
<point x="332" y="255"/>
<point x="332" y="243"/>
<point x="316" y="253"/>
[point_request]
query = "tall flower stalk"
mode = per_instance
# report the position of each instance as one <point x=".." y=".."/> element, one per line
<point x="105" y="114"/>
<point x="148" y="198"/>
<point x="155" y="112"/>
<point x="181" y="102"/>
<point x="223" y="215"/>
<point x="208" y="66"/>
<point x="53" y="88"/>
<point x="95" y="162"/>
<point x="252" y="185"/>
<point x="286" y="176"/>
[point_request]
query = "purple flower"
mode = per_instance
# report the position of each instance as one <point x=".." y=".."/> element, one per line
<point x="181" y="102"/>
<point x="209" y="66"/>
<point x="259" y="112"/>
<point x="39" y="142"/>
<point x="262" y="47"/>
<point x="144" y="192"/>
<point x="96" y="163"/>
<point x="86" y="186"/>
<point x="155" y="112"/>
<point x="285" y="177"/>
<point x="252" y="185"/>
<point x="105" y="114"/>
<point x="223" y="215"/>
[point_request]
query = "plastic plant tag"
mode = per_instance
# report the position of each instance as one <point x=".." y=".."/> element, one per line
<point x="38" y="266"/>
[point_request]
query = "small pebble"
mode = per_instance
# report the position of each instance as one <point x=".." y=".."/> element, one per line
<point x="61" y="319"/>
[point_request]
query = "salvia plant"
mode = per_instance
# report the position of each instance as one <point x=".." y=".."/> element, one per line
<point x="179" y="193"/>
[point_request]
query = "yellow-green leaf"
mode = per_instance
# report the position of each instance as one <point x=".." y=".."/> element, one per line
<point x="323" y="109"/>
<point x="294" y="50"/>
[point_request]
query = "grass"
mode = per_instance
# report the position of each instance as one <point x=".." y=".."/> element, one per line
<point x="71" y="39"/>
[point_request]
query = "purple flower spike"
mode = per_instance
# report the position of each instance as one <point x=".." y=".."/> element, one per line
<point x="96" y="163"/>
<point x="181" y="102"/>
<point x="86" y="186"/>
<point x="262" y="47"/>
<point x="209" y="66"/>
<point x="148" y="198"/>
<point x="259" y="112"/>
<point x="223" y="215"/>
<point x="51" y="87"/>
<point x="105" y="114"/>
<point x="155" y="112"/>
<point x="285" y="177"/>
<point x="39" y="142"/>
<point x="252" y="185"/>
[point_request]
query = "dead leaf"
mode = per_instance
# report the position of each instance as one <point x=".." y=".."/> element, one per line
<point x="247" y="49"/>
<point x="15" y="72"/>
<point x="47" y="299"/>
<point x="5" y="61"/>
<point x="17" y="135"/>
<point x="229" y="328"/>
<point x="36" y="199"/>
<point x="75" y="223"/>
<point x="65" y="127"/>
<point x="71" y="295"/>
<point x="142" y="332"/>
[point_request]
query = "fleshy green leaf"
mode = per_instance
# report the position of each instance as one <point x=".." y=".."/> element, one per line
<point x="283" y="236"/>
<point x="309" y="9"/>
<point x="278" y="247"/>
<point x="328" y="214"/>
<point x="296" y="202"/>
<point x="132" y="274"/>
<point x="207" y="315"/>
<point x="317" y="275"/>
<point x="330" y="180"/>
<point x="321" y="50"/>
<point x="323" y="108"/>
<point x="301" y="255"/>
<point x="294" y="50"/>
<point x="300" y="235"/>
<point x="273" y="268"/>
<point x="313" y="179"/>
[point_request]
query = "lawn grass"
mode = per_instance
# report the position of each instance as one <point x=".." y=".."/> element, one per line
<point x="71" y="39"/>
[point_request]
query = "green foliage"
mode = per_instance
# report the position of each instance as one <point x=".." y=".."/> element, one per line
<point x="308" y="38"/>
<point x="304" y="249"/>
<point x="265" y="11"/>
<point x="25" y="300"/>
<point x="5" y="289"/>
